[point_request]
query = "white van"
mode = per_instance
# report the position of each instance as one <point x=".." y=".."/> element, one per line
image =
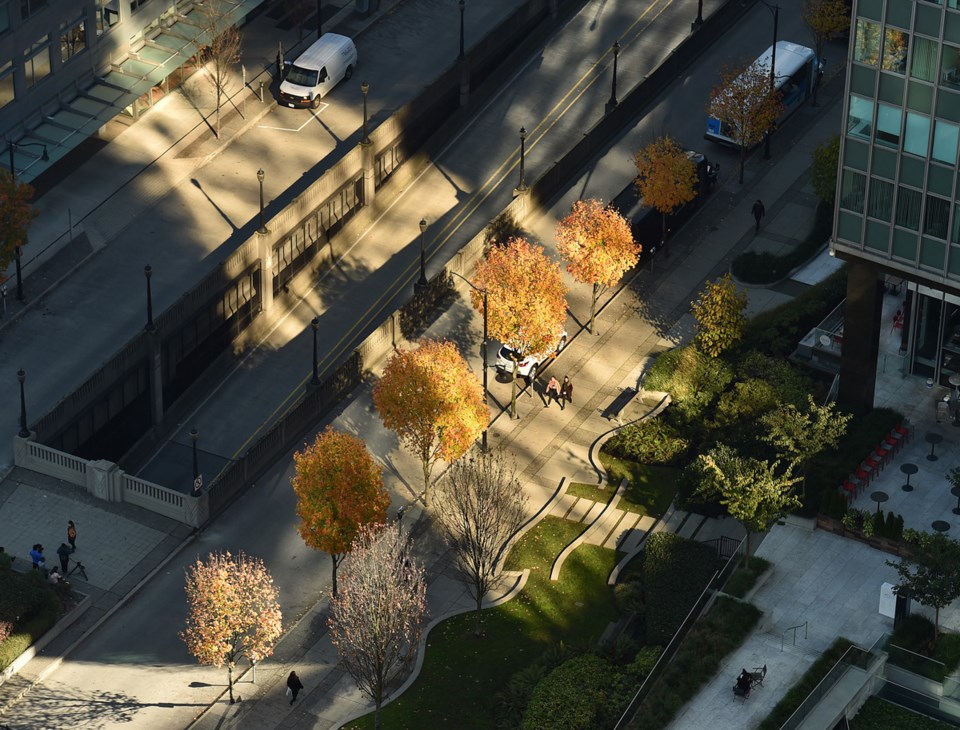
<point x="318" y="70"/>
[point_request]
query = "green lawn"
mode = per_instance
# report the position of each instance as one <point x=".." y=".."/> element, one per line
<point x="462" y="673"/>
<point x="650" y="489"/>
<point x="596" y="493"/>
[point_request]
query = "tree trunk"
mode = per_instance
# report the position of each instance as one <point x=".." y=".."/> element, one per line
<point x="230" y="680"/>
<point x="513" y="389"/>
<point x="426" y="481"/>
<point x="376" y="716"/>
<point x="333" y="564"/>
<point x="743" y="159"/>
<point x="593" y="307"/>
<point x="936" y="625"/>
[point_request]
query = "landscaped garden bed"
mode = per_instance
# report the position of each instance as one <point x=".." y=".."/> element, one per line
<point x="911" y="647"/>
<point x="877" y="714"/>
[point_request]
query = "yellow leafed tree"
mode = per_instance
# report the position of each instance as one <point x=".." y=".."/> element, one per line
<point x="666" y="178"/>
<point x="719" y="315"/>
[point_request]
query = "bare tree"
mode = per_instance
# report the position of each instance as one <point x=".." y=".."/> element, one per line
<point x="377" y="617"/>
<point x="480" y="506"/>
<point x="223" y="47"/>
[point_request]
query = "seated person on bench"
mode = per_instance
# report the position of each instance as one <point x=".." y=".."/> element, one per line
<point x="742" y="687"/>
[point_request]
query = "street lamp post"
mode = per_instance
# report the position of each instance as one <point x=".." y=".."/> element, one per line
<point x="422" y="282"/>
<point x="11" y="146"/>
<point x="522" y="186"/>
<point x="197" y="479"/>
<point x="260" y="176"/>
<point x="612" y="104"/>
<point x="463" y="56"/>
<point x="775" y="11"/>
<point x="695" y="25"/>
<point x="24" y="431"/>
<point x="315" y="326"/>
<point x="364" y="89"/>
<point x="147" y="273"/>
<point x="483" y="349"/>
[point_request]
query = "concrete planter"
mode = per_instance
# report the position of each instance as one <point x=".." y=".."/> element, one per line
<point x="894" y="547"/>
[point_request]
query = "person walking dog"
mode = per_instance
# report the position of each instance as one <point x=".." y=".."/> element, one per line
<point x="294" y="685"/>
<point x="758" y="213"/>
<point x="553" y="392"/>
<point x="566" y="391"/>
<point x="72" y="535"/>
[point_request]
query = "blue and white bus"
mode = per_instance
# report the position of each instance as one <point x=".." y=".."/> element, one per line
<point x="794" y="76"/>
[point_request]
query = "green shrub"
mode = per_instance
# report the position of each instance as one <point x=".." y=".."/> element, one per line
<point x="777" y="331"/>
<point x="692" y="379"/>
<point x="26" y="633"/>
<point x="791" y="384"/>
<point x="571" y="697"/>
<point x="823" y="171"/>
<point x="746" y="401"/>
<point x="743" y="579"/>
<point x="675" y="572"/>
<point x="877" y="714"/>
<point x="696" y="662"/>
<point x="690" y="498"/>
<point x="879" y="525"/>
<point x="652" y="441"/>
<point x="811" y="678"/>
<point x="915" y="634"/>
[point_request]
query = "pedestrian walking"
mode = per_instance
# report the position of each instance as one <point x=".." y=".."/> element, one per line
<point x="36" y="555"/>
<point x="758" y="213"/>
<point x="63" y="552"/>
<point x="553" y="392"/>
<point x="294" y="685"/>
<point x="566" y="391"/>
<point x="72" y="535"/>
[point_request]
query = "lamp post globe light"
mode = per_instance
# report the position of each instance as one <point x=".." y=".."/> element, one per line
<point x="462" y="57"/>
<point x="11" y="146"/>
<point x="197" y="479"/>
<point x="147" y="273"/>
<point x="365" y="89"/>
<point x="612" y="104"/>
<point x="260" y="175"/>
<point x="695" y="25"/>
<point x="522" y="185"/>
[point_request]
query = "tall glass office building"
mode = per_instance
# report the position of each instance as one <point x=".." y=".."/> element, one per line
<point x="899" y="192"/>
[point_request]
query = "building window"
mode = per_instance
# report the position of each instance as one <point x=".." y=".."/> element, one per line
<point x="36" y="61"/>
<point x="108" y="15"/>
<point x="955" y="232"/>
<point x="916" y="135"/>
<point x="866" y="44"/>
<point x="889" y="119"/>
<point x="29" y="7"/>
<point x="935" y="217"/>
<point x="908" y="208"/>
<point x="72" y="40"/>
<point x="853" y="190"/>
<point x="4" y="17"/>
<point x="895" y="46"/>
<point x="860" y="117"/>
<point x="7" y="93"/>
<point x="945" y="137"/>
<point x="137" y="4"/>
<point x="924" y="63"/>
<point x="880" y="204"/>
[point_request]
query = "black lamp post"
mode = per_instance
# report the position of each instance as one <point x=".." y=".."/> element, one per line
<point x="11" y="146"/>
<point x="24" y="431"/>
<point x="422" y="282"/>
<point x="147" y="273"/>
<point x="522" y="186"/>
<point x="483" y="349"/>
<point x="699" y="21"/>
<point x="315" y="326"/>
<point x="319" y="18"/>
<point x="463" y="6"/>
<point x="612" y="104"/>
<point x="197" y="479"/>
<point x="775" y="11"/>
<point x="364" y="88"/>
<point x="260" y="176"/>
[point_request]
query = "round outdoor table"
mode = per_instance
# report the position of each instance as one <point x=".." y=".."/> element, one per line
<point x="955" y="491"/>
<point x="879" y="498"/>
<point x="933" y="439"/>
<point x="954" y="380"/>
<point x="940" y="525"/>
<point x="909" y="470"/>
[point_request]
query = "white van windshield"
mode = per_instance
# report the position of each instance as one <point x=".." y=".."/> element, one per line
<point x="302" y="76"/>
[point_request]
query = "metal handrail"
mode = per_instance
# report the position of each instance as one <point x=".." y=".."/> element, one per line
<point x="794" y="630"/>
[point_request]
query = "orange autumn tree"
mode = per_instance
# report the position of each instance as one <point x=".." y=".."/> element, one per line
<point x="598" y="245"/>
<point x="233" y="611"/>
<point x="16" y="214"/>
<point x="666" y="178"/>
<point x="527" y="300"/>
<point x="430" y="398"/>
<point x="744" y="102"/>
<point x="339" y="488"/>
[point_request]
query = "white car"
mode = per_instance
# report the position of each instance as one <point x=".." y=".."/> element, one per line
<point x="528" y="365"/>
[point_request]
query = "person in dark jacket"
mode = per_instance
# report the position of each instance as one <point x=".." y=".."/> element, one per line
<point x="63" y="552"/>
<point x="294" y="685"/>
<point x="758" y="212"/>
<point x="566" y="391"/>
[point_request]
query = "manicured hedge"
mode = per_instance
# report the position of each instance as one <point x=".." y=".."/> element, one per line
<point x="811" y="678"/>
<point x="675" y="572"/>
<point x="777" y="331"/>
<point x="876" y="714"/>
<point x="30" y="605"/>
<point x="697" y="661"/>
<point x="764" y="267"/>
<point x="572" y="697"/>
